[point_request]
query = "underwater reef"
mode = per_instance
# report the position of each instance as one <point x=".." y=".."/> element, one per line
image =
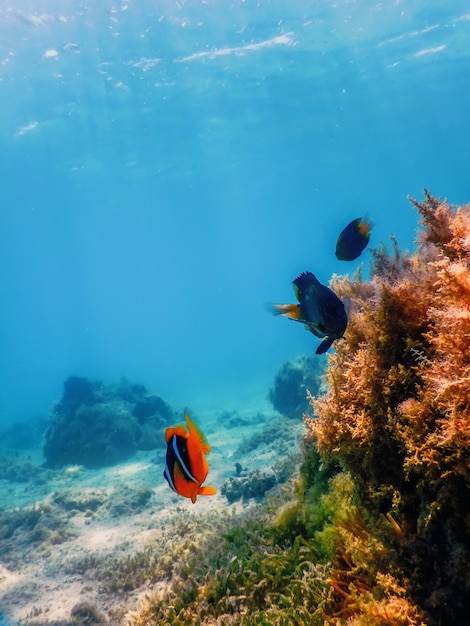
<point x="288" y="395"/>
<point x="97" y="425"/>
<point x="375" y="527"/>
<point x="368" y="524"/>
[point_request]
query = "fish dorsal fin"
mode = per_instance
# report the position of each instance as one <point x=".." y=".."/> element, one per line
<point x="194" y="430"/>
<point x="296" y="291"/>
<point x="179" y="431"/>
<point x="304" y="281"/>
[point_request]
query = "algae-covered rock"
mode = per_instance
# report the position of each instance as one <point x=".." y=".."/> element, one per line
<point x="97" y="425"/>
<point x="288" y="395"/>
<point x="17" y="469"/>
<point x="79" y="499"/>
<point x="245" y="487"/>
<point x="127" y="501"/>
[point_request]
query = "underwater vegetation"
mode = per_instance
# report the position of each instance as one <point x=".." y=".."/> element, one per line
<point x="32" y="528"/>
<point x="375" y="528"/>
<point x="396" y="414"/>
<point x="97" y="425"/>
<point x="371" y="525"/>
<point x="20" y="470"/>
<point x="282" y="564"/>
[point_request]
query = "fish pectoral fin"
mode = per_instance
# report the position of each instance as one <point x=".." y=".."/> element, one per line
<point x="292" y="311"/>
<point x="183" y="475"/>
<point x="207" y="491"/>
<point x="325" y="345"/>
<point x="315" y="330"/>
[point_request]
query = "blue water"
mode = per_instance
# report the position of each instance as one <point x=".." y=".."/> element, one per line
<point x="167" y="168"/>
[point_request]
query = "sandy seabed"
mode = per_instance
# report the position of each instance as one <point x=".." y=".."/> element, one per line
<point x="57" y="521"/>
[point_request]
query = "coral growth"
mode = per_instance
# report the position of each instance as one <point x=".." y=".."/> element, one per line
<point x="397" y="411"/>
<point x="289" y="392"/>
<point x="97" y="425"/>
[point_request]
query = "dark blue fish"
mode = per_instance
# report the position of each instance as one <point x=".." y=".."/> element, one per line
<point x="353" y="239"/>
<point x="319" y="309"/>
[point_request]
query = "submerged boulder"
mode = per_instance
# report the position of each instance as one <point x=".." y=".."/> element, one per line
<point x="97" y="425"/>
<point x="245" y="487"/>
<point x="288" y="395"/>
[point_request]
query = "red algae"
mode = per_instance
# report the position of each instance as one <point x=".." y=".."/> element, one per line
<point x="396" y="414"/>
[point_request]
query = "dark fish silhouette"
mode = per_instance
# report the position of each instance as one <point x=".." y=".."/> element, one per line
<point x="319" y="309"/>
<point x="353" y="239"/>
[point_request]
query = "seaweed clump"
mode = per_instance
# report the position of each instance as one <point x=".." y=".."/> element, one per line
<point x="97" y="425"/>
<point x="396" y="414"/>
<point x="281" y="563"/>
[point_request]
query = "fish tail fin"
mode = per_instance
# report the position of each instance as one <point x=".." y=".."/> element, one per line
<point x="207" y="491"/>
<point x="287" y="310"/>
<point x="203" y="491"/>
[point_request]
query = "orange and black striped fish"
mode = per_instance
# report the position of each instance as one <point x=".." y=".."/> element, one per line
<point x="186" y="466"/>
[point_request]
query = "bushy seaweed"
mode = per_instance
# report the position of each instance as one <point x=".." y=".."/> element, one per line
<point x="239" y="573"/>
<point x="397" y="411"/>
<point x="278" y="565"/>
